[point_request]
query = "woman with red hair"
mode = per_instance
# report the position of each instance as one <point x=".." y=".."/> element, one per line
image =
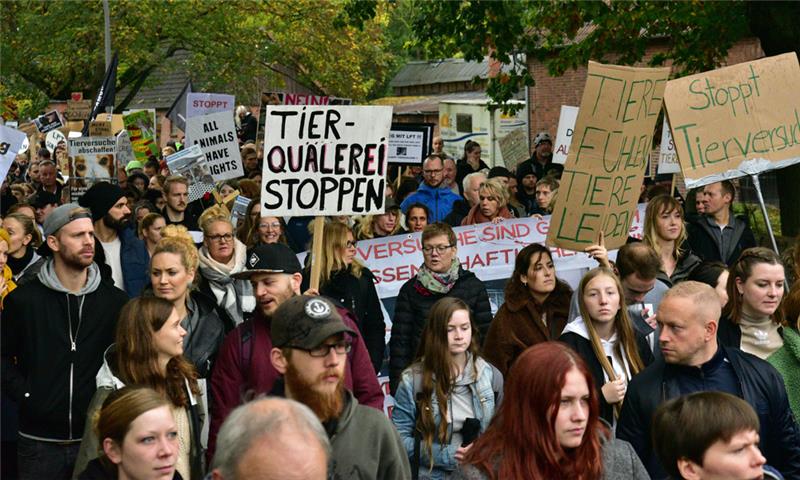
<point x="554" y="433"/>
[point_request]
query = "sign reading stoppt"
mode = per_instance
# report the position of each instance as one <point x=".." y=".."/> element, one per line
<point x="325" y="160"/>
<point x="736" y="121"/>
<point x="607" y="156"/>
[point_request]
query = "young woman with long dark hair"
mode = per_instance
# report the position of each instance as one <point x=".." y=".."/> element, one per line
<point x="448" y="395"/>
<point x="548" y="426"/>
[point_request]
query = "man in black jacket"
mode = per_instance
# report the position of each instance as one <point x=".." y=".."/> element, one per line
<point x="719" y="235"/>
<point x="692" y="362"/>
<point x="54" y="332"/>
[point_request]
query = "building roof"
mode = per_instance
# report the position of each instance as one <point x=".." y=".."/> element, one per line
<point x="163" y="86"/>
<point x="441" y="71"/>
<point x="428" y="105"/>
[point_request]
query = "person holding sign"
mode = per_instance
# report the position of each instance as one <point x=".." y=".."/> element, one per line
<point x="604" y="337"/>
<point x="448" y="396"/>
<point x="753" y="319"/>
<point x="441" y="275"/>
<point x="718" y="235"/>
<point x="535" y="309"/>
<point x="492" y="204"/>
<point x="665" y="232"/>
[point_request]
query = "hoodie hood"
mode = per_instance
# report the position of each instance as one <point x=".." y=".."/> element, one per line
<point x="577" y="326"/>
<point x="47" y="275"/>
<point x="106" y="377"/>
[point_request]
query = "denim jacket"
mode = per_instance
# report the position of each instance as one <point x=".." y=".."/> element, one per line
<point x="487" y="392"/>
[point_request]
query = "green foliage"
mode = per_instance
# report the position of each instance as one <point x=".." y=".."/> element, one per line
<point x="50" y="49"/>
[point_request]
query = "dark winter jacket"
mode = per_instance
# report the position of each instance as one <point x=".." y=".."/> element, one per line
<point x="96" y="471"/>
<point x="439" y="201"/>
<point x="460" y="210"/>
<point x="761" y="386"/>
<point x="243" y="370"/>
<point x="463" y="169"/>
<point x="134" y="259"/>
<point x="206" y="327"/>
<point x="541" y="171"/>
<point x="518" y="325"/>
<point x="576" y="337"/>
<point x="50" y="376"/>
<point x="28" y="268"/>
<point x="686" y="263"/>
<point x="411" y="312"/>
<point x="358" y="295"/>
<point x="247" y="133"/>
<point x="703" y="243"/>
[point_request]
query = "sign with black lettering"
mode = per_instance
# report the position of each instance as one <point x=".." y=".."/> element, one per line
<point x="410" y="143"/>
<point x="735" y="121"/>
<point x="215" y="134"/>
<point x="11" y="141"/>
<point x="325" y="160"/>
<point x="566" y="128"/>
<point x="49" y="121"/>
<point x="608" y="156"/>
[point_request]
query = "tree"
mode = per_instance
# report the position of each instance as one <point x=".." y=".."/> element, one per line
<point x="565" y="35"/>
<point x="53" y="48"/>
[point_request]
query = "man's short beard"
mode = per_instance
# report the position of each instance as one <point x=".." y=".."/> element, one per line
<point x="325" y="405"/>
<point x="115" y="224"/>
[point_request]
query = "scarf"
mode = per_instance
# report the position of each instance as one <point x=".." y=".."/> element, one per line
<point x="17" y="265"/>
<point x="235" y="296"/>
<point x="475" y="216"/>
<point x="439" y="282"/>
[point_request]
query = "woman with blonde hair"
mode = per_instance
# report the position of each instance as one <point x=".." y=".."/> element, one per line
<point x="138" y="438"/>
<point x="148" y="351"/>
<point x="344" y="278"/>
<point x="221" y="256"/>
<point x="665" y="232"/>
<point x="380" y="225"/>
<point x="492" y="204"/>
<point x="24" y="239"/>
<point x="173" y="269"/>
<point x="604" y="337"/>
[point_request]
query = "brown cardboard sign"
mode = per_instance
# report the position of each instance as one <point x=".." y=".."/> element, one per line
<point x="514" y="148"/>
<point x="99" y="129"/>
<point x="78" y="110"/>
<point x="738" y="120"/>
<point x="607" y="156"/>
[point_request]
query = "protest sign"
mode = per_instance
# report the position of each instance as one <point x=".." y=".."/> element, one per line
<point x="52" y="139"/>
<point x="566" y="127"/>
<point x="216" y="135"/>
<point x="78" y="110"/>
<point x="141" y="128"/>
<point x="735" y="121"/>
<point x="76" y="96"/>
<point x="325" y="160"/>
<point x="608" y="156"/>
<point x="280" y="98"/>
<point x="410" y="143"/>
<point x="667" y="158"/>
<point x="191" y="164"/>
<point x="91" y="160"/>
<point x="99" y="128"/>
<point x="124" y="149"/>
<point x="239" y="210"/>
<point x="198" y="104"/>
<point x="514" y="148"/>
<point x="48" y="121"/>
<point x="11" y="142"/>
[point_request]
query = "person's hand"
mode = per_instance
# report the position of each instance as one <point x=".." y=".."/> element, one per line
<point x="614" y="391"/>
<point x="461" y="452"/>
<point x="497" y="220"/>
<point x="537" y="216"/>
<point x="649" y="316"/>
<point x="599" y="252"/>
<point x="313" y="292"/>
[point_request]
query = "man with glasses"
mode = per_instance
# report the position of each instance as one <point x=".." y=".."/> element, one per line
<point x="243" y="369"/>
<point x="441" y="275"/>
<point x="119" y="253"/>
<point x="310" y="346"/>
<point x="433" y="193"/>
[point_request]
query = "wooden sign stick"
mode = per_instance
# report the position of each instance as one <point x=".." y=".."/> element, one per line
<point x="316" y="252"/>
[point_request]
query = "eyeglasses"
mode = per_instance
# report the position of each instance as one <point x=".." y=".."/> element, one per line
<point x="220" y="238"/>
<point x="439" y="248"/>
<point x="431" y="172"/>
<point x="323" y="350"/>
<point x="273" y="225"/>
<point x="350" y="244"/>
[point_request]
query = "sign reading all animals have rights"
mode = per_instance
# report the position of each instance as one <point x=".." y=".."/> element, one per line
<point x="736" y="121"/>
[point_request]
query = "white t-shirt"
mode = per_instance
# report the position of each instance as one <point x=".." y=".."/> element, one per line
<point x="113" y="260"/>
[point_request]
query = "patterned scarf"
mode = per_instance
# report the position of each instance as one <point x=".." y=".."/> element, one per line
<point x="439" y="282"/>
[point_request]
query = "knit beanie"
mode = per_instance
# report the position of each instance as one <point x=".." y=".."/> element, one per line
<point x="100" y="198"/>
<point x="524" y="169"/>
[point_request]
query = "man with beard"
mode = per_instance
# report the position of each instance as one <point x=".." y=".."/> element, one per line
<point x="119" y="251"/>
<point x="243" y="368"/>
<point x="55" y="329"/>
<point x="310" y="345"/>
<point x="542" y="159"/>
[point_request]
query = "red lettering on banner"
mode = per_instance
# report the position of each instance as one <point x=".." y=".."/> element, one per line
<point x="561" y="253"/>
<point x="394" y="247"/>
<point x="467" y="238"/>
<point x="379" y="251"/>
<point x="542" y="227"/>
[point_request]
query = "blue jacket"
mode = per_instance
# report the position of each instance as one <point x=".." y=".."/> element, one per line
<point x="486" y="392"/>
<point x="135" y="262"/>
<point x="438" y="200"/>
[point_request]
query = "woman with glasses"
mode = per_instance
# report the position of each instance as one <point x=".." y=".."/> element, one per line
<point x="268" y="230"/>
<point x="221" y="256"/>
<point x="441" y="275"/>
<point x="448" y="396"/>
<point x="173" y="268"/>
<point x="345" y="279"/>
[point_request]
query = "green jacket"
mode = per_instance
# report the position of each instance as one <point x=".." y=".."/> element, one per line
<point x="787" y="361"/>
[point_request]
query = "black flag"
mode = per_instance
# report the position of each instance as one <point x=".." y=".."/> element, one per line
<point x="177" y="112"/>
<point x="106" y="94"/>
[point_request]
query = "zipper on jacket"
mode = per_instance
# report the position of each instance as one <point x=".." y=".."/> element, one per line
<point x="71" y="369"/>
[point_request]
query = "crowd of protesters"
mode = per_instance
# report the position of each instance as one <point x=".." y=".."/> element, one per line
<point x="147" y="336"/>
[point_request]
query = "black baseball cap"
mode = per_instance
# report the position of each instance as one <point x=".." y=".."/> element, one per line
<point x="305" y="322"/>
<point x="270" y="258"/>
